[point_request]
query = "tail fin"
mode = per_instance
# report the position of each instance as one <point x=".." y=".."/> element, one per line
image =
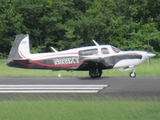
<point x="20" y="49"/>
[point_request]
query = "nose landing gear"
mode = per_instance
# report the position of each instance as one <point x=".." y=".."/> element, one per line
<point x="132" y="74"/>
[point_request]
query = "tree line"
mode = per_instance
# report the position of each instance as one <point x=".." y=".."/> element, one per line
<point x="64" y="24"/>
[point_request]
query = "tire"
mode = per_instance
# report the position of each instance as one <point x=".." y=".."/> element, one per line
<point x="132" y="74"/>
<point x="92" y="76"/>
<point x="99" y="73"/>
<point x="93" y="73"/>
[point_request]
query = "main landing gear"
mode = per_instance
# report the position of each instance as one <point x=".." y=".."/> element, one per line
<point x="132" y="74"/>
<point x="93" y="73"/>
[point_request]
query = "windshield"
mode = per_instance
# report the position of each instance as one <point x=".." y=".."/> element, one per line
<point x="116" y="50"/>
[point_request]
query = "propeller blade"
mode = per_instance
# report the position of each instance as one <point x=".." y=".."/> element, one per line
<point x="149" y="55"/>
<point x="148" y="61"/>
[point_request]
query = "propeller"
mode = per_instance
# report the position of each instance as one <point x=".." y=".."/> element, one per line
<point x="148" y="49"/>
<point x="149" y="55"/>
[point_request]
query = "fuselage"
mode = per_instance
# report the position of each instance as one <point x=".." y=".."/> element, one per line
<point x="83" y="58"/>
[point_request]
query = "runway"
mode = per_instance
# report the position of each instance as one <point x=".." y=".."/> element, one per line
<point x="77" y="87"/>
<point x="51" y="88"/>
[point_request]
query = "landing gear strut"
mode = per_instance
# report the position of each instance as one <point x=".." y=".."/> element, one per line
<point x="93" y="73"/>
<point x="132" y="74"/>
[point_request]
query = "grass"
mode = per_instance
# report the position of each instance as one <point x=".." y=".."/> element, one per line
<point x="79" y="110"/>
<point x="84" y="109"/>
<point x="142" y="70"/>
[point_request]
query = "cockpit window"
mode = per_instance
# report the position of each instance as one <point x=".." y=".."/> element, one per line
<point x="116" y="50"/>
<point x="104" y="51"/>
<point x="88" y="52"/>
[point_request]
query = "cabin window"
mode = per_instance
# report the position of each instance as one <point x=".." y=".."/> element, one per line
<point x="88" y="52"/>
<point x="104" y="51"/>
<point x="116" y="50"/>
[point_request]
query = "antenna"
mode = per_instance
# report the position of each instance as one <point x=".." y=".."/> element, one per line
<point x="95" y="43"/>
<point x="53" y="49"/>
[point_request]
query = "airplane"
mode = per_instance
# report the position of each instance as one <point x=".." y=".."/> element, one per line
<point x="94" y="59"/>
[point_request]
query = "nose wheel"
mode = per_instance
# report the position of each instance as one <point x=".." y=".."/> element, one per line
<point x="132" y="74"/>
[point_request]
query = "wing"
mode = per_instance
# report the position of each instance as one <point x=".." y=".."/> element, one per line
<point x="98" y="62"/>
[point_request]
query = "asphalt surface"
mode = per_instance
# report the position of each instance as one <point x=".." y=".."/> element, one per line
<point x="112" y="87"/>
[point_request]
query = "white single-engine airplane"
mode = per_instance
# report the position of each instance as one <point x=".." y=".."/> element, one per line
<point x="92" y="58"/>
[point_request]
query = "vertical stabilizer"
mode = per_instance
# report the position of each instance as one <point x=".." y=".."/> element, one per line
<point x="20" y="49"/>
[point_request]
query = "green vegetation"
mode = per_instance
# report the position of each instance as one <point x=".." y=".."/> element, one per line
<point x="79" y="110"/>
<point x="127" y="24"/>
<point x="142" y="70"/>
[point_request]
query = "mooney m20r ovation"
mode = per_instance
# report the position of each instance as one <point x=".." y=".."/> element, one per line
<point x="91" y="58"/>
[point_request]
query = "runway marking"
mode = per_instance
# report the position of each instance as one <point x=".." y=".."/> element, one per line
<point x="51" y="88"/>
<point x="53" y="91"/>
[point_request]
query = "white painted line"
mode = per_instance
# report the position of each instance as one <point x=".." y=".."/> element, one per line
<point x="53" y="91"/>
<point x="52" y="85"/>
<point x="45" y="87"/>
<point x="51" y="88"/>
